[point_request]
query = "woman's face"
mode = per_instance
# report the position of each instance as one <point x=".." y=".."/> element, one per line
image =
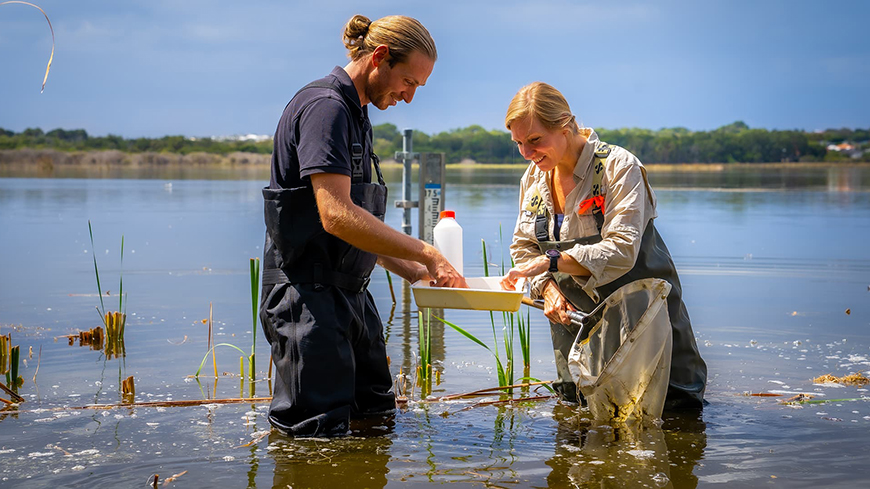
<point x="544" y="147"/>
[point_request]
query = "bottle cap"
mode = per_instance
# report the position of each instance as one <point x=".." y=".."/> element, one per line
<point x="449" y="214"/>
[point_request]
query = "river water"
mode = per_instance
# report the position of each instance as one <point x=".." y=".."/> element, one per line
<point x="775" y="272"/>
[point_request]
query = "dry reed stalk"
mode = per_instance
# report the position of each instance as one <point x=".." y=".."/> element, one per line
<point x="508" y="401"/>
<point x="173" y="477"/>
<point x="128" y="388"/>
<point x="50" y="58"/>
<point x="504" y="401"/>
<point x="255" y="440"/>
<point x="482" y="392"/>
<point x="188" y="403"/>
<point x="211" y="338"/>
<point x="5" y="342"/>
<point x="38" y="361"/>
<point x="15" y="397"/>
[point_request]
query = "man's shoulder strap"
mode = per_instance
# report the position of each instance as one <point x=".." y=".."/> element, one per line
<point x="356" y="148"/>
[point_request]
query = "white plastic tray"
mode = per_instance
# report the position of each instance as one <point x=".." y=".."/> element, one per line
<point x="483" y="294"/>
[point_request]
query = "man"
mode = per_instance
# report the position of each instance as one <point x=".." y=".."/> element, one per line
<point x="325" y="232"/>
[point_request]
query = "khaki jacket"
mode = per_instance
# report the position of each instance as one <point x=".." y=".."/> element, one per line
<point x="629" y="204"/>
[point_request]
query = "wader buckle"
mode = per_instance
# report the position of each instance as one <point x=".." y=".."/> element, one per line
<point x="364" y="285"/>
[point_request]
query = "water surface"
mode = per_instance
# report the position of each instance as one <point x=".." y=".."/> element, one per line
<point x="770" y="260"/>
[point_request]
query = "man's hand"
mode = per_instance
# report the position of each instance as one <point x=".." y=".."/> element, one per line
<point x="441" y="272"/>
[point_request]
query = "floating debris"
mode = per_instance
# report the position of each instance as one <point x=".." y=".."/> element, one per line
<point x="798" y="398"/>
<point x="848" y="311"/>
<point x="173" y="477"/>
<point x="856" y="379"/>
<point x="93" y="338"/>
<point x="128" y="389"/>
<point x="115" y="323"/>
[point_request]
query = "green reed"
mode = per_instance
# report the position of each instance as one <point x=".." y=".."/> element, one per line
<point x="9" y="358"/>
<point x="424" y="368"/>
<point x="252" y="363"/>
<point x="513" y="323"/>
<point x="114" y="321"/>
<point x="255" y="289"/>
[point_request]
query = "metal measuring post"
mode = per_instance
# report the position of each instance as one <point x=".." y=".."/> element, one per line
<point x="432" y="180"/>
<point x="406" y="156"/>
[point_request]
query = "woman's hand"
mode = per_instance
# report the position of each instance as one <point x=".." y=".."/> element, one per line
<point x="531" y="268"/>
<point x="556" y="306"/>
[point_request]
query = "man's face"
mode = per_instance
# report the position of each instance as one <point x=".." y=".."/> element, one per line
<point x="388" y="85"/>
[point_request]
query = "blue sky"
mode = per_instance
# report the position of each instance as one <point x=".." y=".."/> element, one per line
<point x="208" y="68"/>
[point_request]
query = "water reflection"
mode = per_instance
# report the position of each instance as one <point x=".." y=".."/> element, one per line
<point x="626" y="456"/>
<point x="357" y="461"/>
<point x="828" y="177"/>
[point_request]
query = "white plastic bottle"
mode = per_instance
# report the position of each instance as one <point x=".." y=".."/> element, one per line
<point x="448" y="239"/>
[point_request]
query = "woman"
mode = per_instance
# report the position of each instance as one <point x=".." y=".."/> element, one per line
<point x="585" y="229"/>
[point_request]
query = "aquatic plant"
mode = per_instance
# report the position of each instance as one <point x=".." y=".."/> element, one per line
<point x="390" y="283"/>
<point x="512" y="322"/>
<point x="9" y="358"/>
<point x="424" y="366"/>
<point x="502" y="372"/>
<point x="114" y="321"/>
<point x="255" y="288"/>
<point x="211" y="349"/>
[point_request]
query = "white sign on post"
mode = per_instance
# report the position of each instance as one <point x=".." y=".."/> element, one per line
<point x="431" y="209"/>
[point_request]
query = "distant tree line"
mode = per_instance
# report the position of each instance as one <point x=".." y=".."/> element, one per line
<point x="79" y="140"/>
<point x="734" y="143"/>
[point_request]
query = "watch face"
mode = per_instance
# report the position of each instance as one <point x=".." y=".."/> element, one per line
<point x="552" y="253"/>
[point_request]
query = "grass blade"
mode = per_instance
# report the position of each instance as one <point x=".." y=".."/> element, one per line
<point x="121" y="285"/>
<point x="501" y="371"/>
<point x="463" y="332"/>
<point x="211" y="350"/>
<point x="255" y="288"/>
<point x="97" y="271"/>
<point x="390" y="283"/>
<point x="485" y="261"/>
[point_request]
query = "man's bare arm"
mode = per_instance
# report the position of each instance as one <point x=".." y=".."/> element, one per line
<point x="407" y="269"/>
<point x="353" y="224"/>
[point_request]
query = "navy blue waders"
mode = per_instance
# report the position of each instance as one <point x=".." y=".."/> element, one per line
<point x="318" y="316"/>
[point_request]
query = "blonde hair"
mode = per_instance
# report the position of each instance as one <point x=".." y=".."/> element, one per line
<point x="544" y="103"/>
<point x="403" y="35"/>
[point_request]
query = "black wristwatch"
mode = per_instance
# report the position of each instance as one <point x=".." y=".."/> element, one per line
<point x="554" y="260"/>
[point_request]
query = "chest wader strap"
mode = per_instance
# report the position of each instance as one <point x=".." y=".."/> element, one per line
<point x="356" y="157"/>
<point x="318" y="276"/>
<point x="541" y="224"/>
<point x="602" y="151"/>
<point x="356" y="149"/>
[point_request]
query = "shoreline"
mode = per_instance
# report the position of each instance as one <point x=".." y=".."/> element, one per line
<point x="47" y="159"/>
